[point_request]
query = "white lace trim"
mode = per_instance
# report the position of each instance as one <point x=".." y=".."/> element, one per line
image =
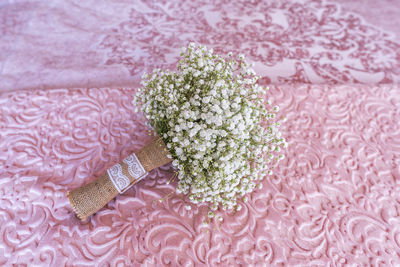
<point x="121" y="181"/>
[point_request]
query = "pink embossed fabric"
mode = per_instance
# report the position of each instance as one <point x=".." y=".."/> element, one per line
<point x="74" y="66"/>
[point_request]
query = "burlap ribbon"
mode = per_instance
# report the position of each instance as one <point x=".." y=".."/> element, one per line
<point x="90" y="198"/>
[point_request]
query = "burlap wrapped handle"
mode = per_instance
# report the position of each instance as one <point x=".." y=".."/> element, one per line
<point x="90" y="198"/>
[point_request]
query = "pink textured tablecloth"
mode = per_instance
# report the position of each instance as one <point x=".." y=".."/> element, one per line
<point x="333" y="201"/>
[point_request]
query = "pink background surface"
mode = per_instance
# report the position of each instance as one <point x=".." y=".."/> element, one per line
<point x="334" y="69"/>
<point x="65" y="44"/>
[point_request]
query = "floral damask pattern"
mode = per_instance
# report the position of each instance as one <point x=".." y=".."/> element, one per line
<point x="333" y="201"/>
<point x="310" y="41"/>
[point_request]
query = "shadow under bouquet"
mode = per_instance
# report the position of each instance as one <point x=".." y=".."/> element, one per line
<point x="212" y="120"/>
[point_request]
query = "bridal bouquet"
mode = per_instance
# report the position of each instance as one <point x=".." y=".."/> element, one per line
<point x="212" y="122"/>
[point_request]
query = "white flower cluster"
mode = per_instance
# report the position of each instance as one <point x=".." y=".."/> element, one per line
<point x="211" y="115"/>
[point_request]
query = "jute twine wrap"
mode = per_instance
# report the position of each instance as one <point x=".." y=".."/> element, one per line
<point x="89" y="198"/>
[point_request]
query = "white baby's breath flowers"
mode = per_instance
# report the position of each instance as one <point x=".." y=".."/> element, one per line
<point x="212" y="116"/>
